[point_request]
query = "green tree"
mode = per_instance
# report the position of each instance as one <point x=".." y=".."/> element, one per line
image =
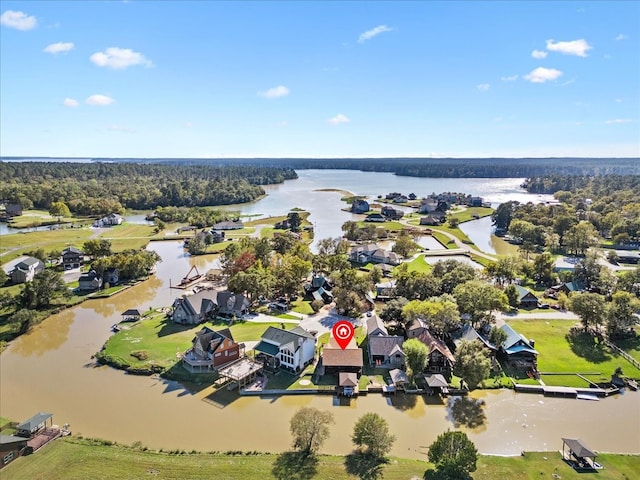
<point x="581" y="237"/>
<point x="196" y="245"/>
<point x="472" y="362"/>
<point x="59" y="209"/>
<point x="310" y="428"/>
<point x="620" y="315"/>
<point x="505" y="270"/>
<point x="590" y="307"/>
<point x="497" y="336"/>
<point x="543" y="266"/>
<point x="511" y="291"/>
<point x="392" y="311"/>
<point x="371" y="431"/>
<point x="503" y="214"/>
<point x="454" y="455"/>
<point x="417" y="354"/>
<point x="441" y="313"/>
<point x="478" y="299"/>
<point x="405" y="246"/>
<point x="43" y="289"/>
<point x="294" y="221"/>
<point x="98" y="247"/>
<point x="454" y="222"/>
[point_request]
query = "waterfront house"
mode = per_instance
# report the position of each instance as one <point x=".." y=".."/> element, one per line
<point x="375" y="217"/>
<point x="193" y="309"/>
<point x="232" y="304"/>
<point x="12" y="210"/>
<point x="359" y="206"/>
<point x="72" y="258"/>
<point x="347" y="384"/>
<point x="399" y="379"/>
<point x="385" y="257"/>
<point x="428" y="205"/>
<point x="526" y="299"/>
<point x="475" y="201"/>
<point x="111" y="276"/>
<point x="26" y="270"/>
<point x="109" y="221"/>
<point x="290" y="349"/>
<point x="401" y="199"/>
<point x="336" y="360"/>
<point x="90" y="281"/>
<point x="433" y="219"/>
<point x="11" y="447"/>
<point x="441" y="360"/>
<point x="392" y="213"/>
<point x="362" y="253"/>
<point x="468" y="333"/>
<point x="211" y="350"/>
<point x="385" y="351"/>
<point x="517" y="350"/>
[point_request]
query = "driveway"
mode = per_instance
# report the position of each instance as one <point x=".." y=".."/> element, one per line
<point x="7" y="267"/>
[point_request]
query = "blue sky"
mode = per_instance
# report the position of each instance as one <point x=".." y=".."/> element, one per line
<point x="319" y="79"/>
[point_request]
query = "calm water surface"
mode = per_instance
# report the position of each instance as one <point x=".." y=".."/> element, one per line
<point x="50" y="369"/>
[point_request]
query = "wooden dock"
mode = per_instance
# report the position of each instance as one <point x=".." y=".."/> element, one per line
<point x="570" y="392"/>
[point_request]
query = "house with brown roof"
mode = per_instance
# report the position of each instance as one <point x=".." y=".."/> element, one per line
<point x="336" y="360"/>
<point x="441" y="360"/>
<point x="211" y="350"/>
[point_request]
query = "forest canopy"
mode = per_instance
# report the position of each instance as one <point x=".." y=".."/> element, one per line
<point x="102" y="188"/>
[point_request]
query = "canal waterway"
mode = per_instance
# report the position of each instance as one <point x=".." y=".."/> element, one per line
<point x="50" y="369"/>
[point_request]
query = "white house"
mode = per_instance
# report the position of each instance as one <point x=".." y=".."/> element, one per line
<point x="290" y="349"/>
<point x="26" y="270"/>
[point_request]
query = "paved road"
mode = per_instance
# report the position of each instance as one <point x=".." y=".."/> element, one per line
<point x="501" y="318"/>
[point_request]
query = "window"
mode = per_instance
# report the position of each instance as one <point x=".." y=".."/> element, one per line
<point x="7" y="458"/>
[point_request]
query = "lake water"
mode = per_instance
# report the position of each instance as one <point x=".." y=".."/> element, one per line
<point x="50" y="369"/>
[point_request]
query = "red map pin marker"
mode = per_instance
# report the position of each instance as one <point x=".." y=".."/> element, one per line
<point x="343" y="333"/>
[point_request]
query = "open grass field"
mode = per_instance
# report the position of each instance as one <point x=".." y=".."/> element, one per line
<point x="75" y="459"/>
<point x="558" y="354"/>
<point x="631" y="345"/>
<point x="161" y="340"/>
<point x="12" y="246"/>
<point x="470" y="213"/>
<point x="419" y="265"/>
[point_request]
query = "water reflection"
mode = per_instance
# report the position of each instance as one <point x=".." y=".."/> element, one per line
<point x="467" y="412"/>
<point x="49" y="335"/>
<point x="139" y="297"/>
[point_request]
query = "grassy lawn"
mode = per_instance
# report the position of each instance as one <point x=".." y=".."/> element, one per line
<point x="419" y="265"/>
<point x="557" y="354"/>
<point x="160" y="339"/>
<point x="48" y="240"/>
<point x="392" y="225"/>
<point x="456" y="232"/>
<point x="443" y="239"/>
<point x="73" y="458"/>
<point x="468" y="213"/>
<point x="302" y="306"/>
<point x="631" y="345"/>
<point x="109" y="291"/>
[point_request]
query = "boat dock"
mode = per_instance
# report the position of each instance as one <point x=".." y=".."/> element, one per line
<point x="571" y="392"/>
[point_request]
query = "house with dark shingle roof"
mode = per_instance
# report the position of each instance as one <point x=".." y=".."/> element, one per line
<point x="193" y="309"/>
<point x="26" y="270"/>
<point x="232" y="304"/>
<point x="211" y="350"/>
<point x="290" y="349"/>
<point x="517" y="350"/>
<point x="72" y="258"/>
<point x="11" y="447"/>
<point x="526" y="299"/>
<point x="385" y="351"/>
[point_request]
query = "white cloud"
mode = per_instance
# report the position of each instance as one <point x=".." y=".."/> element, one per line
<point x="618" y="121"/>
<point x="574" y="47"/>
<point x="338" y="119"/>
<point x="119" y="58"/>
<point x="541" y="75"/>
<point x="275" y="92"/>
<point x="99" y="100"/>
<point x="539" y="54"/>
<point x="58" y="47"/>
<point x="18" y="20"/>
<point x="622" y="36"/>
<point x="369" y="34"/>
<point x="510" y="78"/>
<point x="483" y="87"/>
<point x="70" y="102"/>
<point x="188" y="125"/>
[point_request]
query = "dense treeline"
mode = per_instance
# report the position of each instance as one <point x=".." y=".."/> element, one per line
<point x="590" y="186"/>
<point x="427" y="167"/>
<point x="102" y="188"/>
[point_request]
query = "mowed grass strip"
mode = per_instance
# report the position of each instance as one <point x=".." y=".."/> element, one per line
<point x="76" y="459"/>
<point x="162" y="340"/>
<point x="557" y="354"/>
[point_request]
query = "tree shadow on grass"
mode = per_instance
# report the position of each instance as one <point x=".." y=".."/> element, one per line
<point x="295" y="466"/>
<point x="585" y="345"/>
<point x="364" y="465"/>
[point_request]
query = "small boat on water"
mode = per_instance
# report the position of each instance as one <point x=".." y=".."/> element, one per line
<point x="115" y="328"/>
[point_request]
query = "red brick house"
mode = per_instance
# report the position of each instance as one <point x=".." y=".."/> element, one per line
<point x="211" y="350"/>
